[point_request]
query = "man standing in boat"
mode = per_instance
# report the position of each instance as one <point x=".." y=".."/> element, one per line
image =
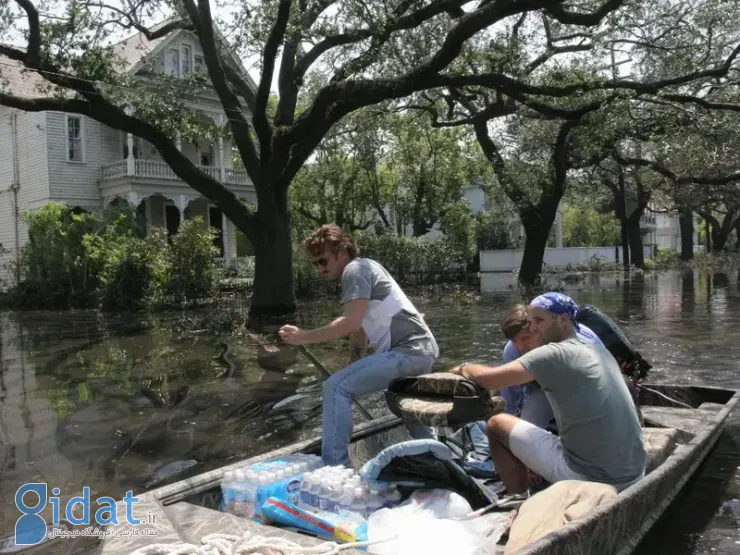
<point x="600" y="434"/>
<point x="377" y="311"/>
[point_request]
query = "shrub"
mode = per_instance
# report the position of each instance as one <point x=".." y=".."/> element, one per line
<point x="76" y="260"/>
<point x="193" y="272"/>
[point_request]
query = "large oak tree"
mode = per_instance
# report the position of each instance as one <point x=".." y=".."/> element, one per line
<point x="331" y="57"/>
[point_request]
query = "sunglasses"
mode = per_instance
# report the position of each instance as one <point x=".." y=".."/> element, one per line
<point x="321" y="262"/>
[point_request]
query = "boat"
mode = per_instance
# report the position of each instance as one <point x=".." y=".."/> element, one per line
<point x="681" y="425"/>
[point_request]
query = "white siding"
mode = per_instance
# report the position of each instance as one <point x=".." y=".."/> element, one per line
<point x="75" y="183"/>
<point x="33" y="178"/>
<point x="6" y="196"/>
<point x="111" y="145"/>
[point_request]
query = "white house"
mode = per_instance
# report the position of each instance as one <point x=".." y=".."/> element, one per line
<point x="54" y="156"/>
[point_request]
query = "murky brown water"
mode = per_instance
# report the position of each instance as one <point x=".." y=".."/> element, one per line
<point x="87" y="401"/>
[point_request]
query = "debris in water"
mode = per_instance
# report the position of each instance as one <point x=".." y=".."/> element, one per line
<point x="169" y="471"/>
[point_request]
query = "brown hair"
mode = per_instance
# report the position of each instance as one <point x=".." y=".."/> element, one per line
<point x="333" y="237"/>
<point x="516" y="322"/>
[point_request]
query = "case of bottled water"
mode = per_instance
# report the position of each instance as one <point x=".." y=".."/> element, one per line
<point x="336" y="489"/>
<point x="244" y="490"/>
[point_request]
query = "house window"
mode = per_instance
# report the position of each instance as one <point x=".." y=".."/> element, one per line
<point x="186" y="57"/>
<point x="74" y="139"/>
<point x="172" y="61"/>
<point x="199" y="63"/>
<point x="206" y="156"/>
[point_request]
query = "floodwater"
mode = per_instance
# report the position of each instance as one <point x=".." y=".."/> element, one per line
<point x="106" y="402"/>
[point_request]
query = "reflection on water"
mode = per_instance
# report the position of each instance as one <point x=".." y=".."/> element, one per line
<point x="131" y="402"/>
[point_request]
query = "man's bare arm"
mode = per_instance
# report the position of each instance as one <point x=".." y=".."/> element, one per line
<point x="359" y="344"/>
<point x="495" y="377"/>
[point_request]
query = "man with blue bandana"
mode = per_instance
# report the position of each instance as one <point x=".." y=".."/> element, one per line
<point x="528" y="401"/>
<point x="600" y="434"/>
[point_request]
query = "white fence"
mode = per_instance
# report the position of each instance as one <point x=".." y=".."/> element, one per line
<point x="508" y="260"/>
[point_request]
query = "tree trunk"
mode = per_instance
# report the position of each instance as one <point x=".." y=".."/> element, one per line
<point x="625" y="235"/>
<point x="620" y="211"/>
<point x="273" y="295"/>
<point x="708" y="235"/>
<point x="537" y="221"/>
<point x="686" y="224"/>
<point x="637" y="254"/>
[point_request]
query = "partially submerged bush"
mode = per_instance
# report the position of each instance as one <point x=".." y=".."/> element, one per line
<point x="77" y="260"/>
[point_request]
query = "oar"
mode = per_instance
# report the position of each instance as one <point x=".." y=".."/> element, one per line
<point x="302" y="348"/>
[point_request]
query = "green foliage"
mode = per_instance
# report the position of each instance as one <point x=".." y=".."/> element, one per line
<point x="588" y="228"/>
<point x="193" y="273"/>
<point x="494" y="232"/>
<point x="664" y="259"/>
<point x="460" y="228"/>
<point x="54" y="267"/>
<point x="76" y="260"/>
<point x="408" y="259"/>
<point x="133" y="269"/>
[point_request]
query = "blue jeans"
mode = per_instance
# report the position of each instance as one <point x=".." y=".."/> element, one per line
<point x="367" y="375"/>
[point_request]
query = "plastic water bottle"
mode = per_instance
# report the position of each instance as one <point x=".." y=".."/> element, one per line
<point x="238" y="489"/>
<point x="324" y="493"/>
<point x="314" y="491"/>
<point x="305" y="495"/>
<point x="359" y="505"/>
<point x="345" y="499"/>
<point x="335" y="496"/>
<point x="250" y="493"/>
<point x="228" y="496"/>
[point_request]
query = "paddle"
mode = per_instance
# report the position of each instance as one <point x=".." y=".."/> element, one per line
<point x="272" y="349"/>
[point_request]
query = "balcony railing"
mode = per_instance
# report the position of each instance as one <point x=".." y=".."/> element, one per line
<point x="647" y="218"/>
<point x="151" y="169"/>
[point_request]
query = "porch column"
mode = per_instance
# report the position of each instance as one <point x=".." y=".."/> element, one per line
<point x="130" y="161"/>
<point x="559" y="227"/>
<point x="221" y="171"/>
<point x="225" y="235"/>
<point x="178" y="141"/>
<point x="182" y="203"/>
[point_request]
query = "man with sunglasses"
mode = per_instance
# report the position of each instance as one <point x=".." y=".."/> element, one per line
<point x="377" y="311"/>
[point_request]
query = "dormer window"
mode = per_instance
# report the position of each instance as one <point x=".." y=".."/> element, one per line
<point x="187" y="53"/>
<point x="172" y="61"/>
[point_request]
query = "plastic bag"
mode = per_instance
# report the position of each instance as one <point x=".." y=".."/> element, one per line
<point x="428" y="523"/>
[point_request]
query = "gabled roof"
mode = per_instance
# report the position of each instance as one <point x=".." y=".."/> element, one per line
<point x="132" y="50"/>
<point x="14" y="79"/>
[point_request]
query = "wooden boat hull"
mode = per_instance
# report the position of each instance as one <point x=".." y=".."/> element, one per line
<point x="187" y="510"/>
<point x="617" y="527"/>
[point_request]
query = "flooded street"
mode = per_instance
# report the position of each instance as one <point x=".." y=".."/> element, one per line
<point x="108" y="402"/>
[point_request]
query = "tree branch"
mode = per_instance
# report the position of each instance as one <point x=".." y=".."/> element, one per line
<point x="679" y="180"/>
<point x="185" y="169"/>
<point x="33" y="50"/>
<point x="512" y="86"/>
<point x="259" y="118"/>
<point x="403" y="22"/>
<point x="135" y="23"/>
<point x="335" y="100"/>
<point x="566" y="17"/>
<point x="202" y="21"/>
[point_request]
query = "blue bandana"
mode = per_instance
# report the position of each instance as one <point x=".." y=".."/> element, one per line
<point x="557" y="303"/>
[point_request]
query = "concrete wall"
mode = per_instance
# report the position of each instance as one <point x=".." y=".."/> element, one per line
<point x="508" y="260"/>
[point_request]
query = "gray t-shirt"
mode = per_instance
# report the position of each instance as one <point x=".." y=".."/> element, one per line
<point x="366" y="279"/>
<point x="595" y="413"/>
